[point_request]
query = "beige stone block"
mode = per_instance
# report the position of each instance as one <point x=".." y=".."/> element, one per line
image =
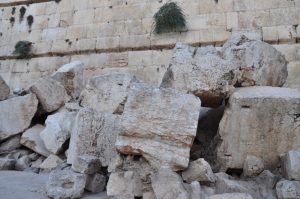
<point x="197" y="22"/>
<point x="270" y="34"/>
<point x="66" y="19"/>
<point x="60" y="46"/>
<point x="86" y="44"/>
<point x="83" y="16"/>
<point x="76" y="32"/>
<point x="286" y="34"/>
<point x="190" y="37"/>
<point x="232" y="20"/>
<point x="242" y="5"/>
<point x="104" y="43"/>
<point x="213" y="7"/>
<point x="65" y="6"/>
<point x="140" y="58"/>
<point x="42" y="47"/>
<point x="293" y="80"/>
<point x="254" y="19"/>
<point x="53" y="34"/>
<point x="216" y="20"/>
<point x="164" y="39"/>
<point x="133" y="27"/>
<point x="36" y="9"/>
<point x="284" y="16"/>
<point x="290" y="51"/>
<point x="51" y="8"/>
<point x="54" y="20"/>
<point x="147" y="25"/>
<point x="134" y="41"/>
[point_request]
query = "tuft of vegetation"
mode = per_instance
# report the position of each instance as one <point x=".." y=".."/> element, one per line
<point x="169" y="18"/>
<point x="23" y="49"/>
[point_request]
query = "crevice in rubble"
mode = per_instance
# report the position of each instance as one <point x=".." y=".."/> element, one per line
<point x="234" y="172"/>
<point x="207" y="138"/>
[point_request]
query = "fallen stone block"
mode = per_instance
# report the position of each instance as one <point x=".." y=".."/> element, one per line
<point x="87" y="164"/>
<point x="107" y="92"/>
<point x="291" y="165"/>
<point x="50" y="93"/>
<point x="51" y="162"/>
<point x="71" y="77"/>
<point x="160" y="125"/>
<point x="259" y="121"/>
<point x="58" y="130"/>
<point x="95" y="183"/>
<point x="23" y="163"/>
<point x="194" y="190"/>
<point x="198" y="170"/>
<point x="16" y="115"/>
<point x="7" y="164"/>
<point x="32" y="140"/>
<point x="10" y="144"/>
<point x="65" y="184"/>
<point x="126" y="185"/>
<point x="4" y="89"/>
<point x="253" y="166"/>
<point x="288" y="189"/>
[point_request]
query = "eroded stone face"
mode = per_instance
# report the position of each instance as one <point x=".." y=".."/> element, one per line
<point x="259" y="121"/>
<point x="16" y="115"/>
<point x="94" y="134"/>
<point x="160" y="125"/>
<point x="212" y="75"/>
<point x="291" y="165"/>
<point x="4" y="89"/>
<point x="107" y="92"/>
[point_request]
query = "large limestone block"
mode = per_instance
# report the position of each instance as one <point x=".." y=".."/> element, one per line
<point x="4" y="89"/>
<point x="167" y="184"/>
<point x="58" y="130"/>
<point x="94" y="134"/>
<point x="259" y="121"/>
<point x="160" y="125"/>
<point x="65" y="184"/>
<point x="291" y="165"/>
<point x="50" y="93"/>
<point x="16" y="115"/>
<point x="71" y="77"/>
<point x="125" y="185"/>
<point x="212" y="75"/>
<point x="32" y="140"/>
<point x="107" y="92"/>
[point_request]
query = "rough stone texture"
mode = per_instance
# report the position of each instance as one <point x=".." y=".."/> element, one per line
<point x="231" y="196"/>
<point x="51" y="94"/>
<point x="125" y="185"/>
<point x="94" y="134"/>
<point x="253" y="166"/>
<point x="16" y="115"/>
<point x="65" y="184"/>
<point x="10" y="144"/>
<point x="51" y="162"/>
<point x="4" y="89"/>
<point x="107" y="92"/>
<point x="87" y="164"/>
<point x="23" y="163"/>
<point x="259" y="121"/>
<point x="160" y="125"/>
<point x="288" y="189"/>
<point x="212" y="75"/>
<point x="7" y="164"/>
<point x="95" y="183"/>
<point x="58" y="130"/>
<point x="198" y="170"/>
<point x="167" y="184"/>
<point x="71" y="77"/>
<point x="32" y="140"/>
<point x="226" y="185"/>
<point x="194" y="190"/>
<point x="291" y="165"/>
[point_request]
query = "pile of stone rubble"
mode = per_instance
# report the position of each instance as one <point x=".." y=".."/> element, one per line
<point x="219" y="126"/>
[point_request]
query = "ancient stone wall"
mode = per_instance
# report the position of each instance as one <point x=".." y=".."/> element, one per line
<point x="116" y="35"/>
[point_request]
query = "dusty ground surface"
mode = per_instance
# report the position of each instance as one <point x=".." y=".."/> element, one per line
<point x="27" y="185"/>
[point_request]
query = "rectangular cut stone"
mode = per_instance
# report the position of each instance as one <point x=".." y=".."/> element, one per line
<point x="259" y="121"/>
<point x="159" y="124"/>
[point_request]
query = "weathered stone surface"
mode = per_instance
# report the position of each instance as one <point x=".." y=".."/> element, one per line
<point x="167" y="184"/>
<point x="10" y="144"/>
<point x="65" y="184"/>
<point x="253" y="166"/>
<point x="160" y="125"/>
<point x="288" y="189"/>
<point x="107" y="92"/>
<point x="88" y="164"/>
<point x="94" y="134"/>
<point x="23" y="163"/>
<point x="16" y="115"/>
<point x="71" y="77"/>
<point x="95" y="183"/>
<point x="51" y="162"/>
<point x="194" y="190"/>
<point x="259" y="121"/>
<point x="126" y="185"/>
<point x="226" y="185"/>
<point x="212" y="75"/>
<point x="58" y="130"/>
<point x="231" y="196"/>
<point x="291" y="165"/>
<point x="4" y="89"/>
<point x="32" y="140"/>
<point x="198" y="170"/>
<point x="7" y="164"/>
<point x="51" y="94"/>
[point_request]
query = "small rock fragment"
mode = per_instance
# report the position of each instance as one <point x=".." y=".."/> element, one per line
<point x="95" y="183"/>
<point x="253" y="166"/>
<point x="87" y="164"/>
<point x="51" y="162"/>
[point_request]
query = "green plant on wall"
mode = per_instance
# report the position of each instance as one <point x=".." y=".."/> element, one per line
<point x="169" y="18"/>
<point x="23" y="49"/>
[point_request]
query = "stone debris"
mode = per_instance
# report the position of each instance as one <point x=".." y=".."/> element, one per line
<point x="160" y="125"/>
<point x="107" y="92"/>
<point x="58" y="130"/>
<point x="32" y="140"/>
<point x="10" y="144"/>
<point x="253" y="166"/>
<point x="4" y="89"/>
<point x="64" y="184"/>
<point x="291" y="165"/>
<point x="87" y="164"/>
<point x="71" y="77"/>
<point x="50" y="93"/>
<point x="7" y="164"/>
<point x="231" y="196"/>
<point x="288" y="189"/>
<point x="51" y="162"/>
<point x="95" y="183"/>
<point x="16" y="115"/>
